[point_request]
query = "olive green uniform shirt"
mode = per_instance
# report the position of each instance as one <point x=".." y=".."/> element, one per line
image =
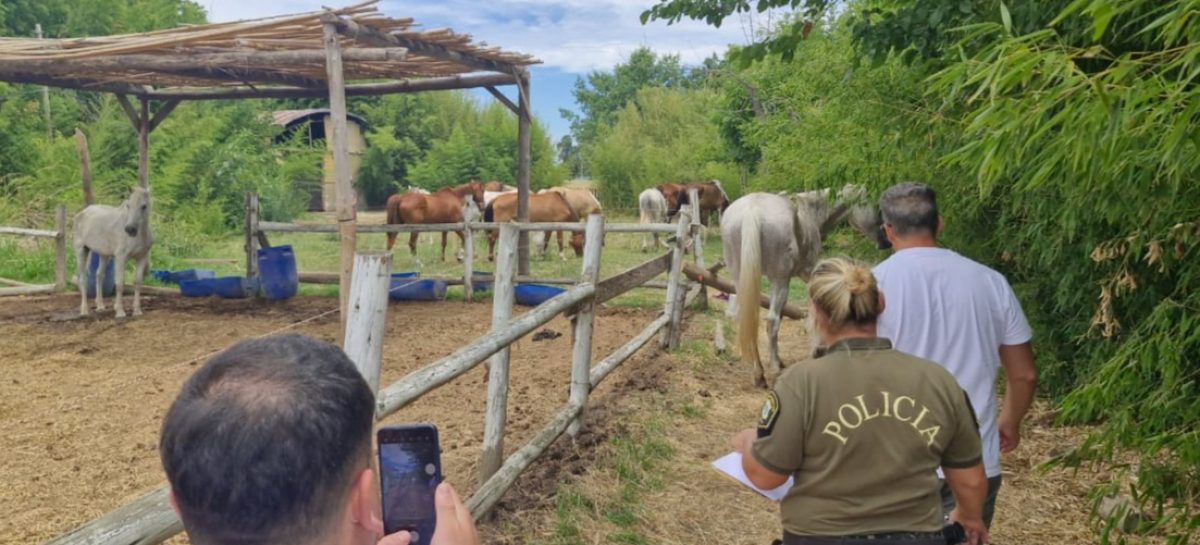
<point x="863" y="430"/>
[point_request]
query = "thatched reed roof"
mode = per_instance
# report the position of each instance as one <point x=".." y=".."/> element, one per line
<point x="284" y="51"/>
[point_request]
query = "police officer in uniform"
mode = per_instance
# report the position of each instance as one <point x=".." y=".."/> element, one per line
<point x="862" y="430"/>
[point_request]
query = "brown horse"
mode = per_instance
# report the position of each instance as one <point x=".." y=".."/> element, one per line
<point x="442" y="206"/>
<point x="675" y="194"/>
<point x="712" y="199"/>
<point x="546" y="207"/>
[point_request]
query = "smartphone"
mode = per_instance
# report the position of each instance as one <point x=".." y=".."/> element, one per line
<point x="410" y="469"/>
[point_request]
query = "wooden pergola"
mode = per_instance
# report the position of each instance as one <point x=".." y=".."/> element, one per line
<point x="335" y="53"/>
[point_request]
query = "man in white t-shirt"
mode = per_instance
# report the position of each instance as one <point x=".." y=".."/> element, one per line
<point x="963" y="315"/>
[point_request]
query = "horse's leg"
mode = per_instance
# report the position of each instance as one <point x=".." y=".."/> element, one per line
<point x="443" y="246"/>
<point x="100" y="282"/>
<point x="779" y="297"/>
<point x="491" y="245"/>
<point x="561" y="255"/>
<point x="462" y="244"/>
<point x="412" y="243"/>
<point x="120" y="282"/>
<point x="81" y="260"/>
<point x="139" y="272"/>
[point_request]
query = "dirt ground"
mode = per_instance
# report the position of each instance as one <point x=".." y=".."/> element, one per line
<point x="81" y="403"/>
<point x="81" y="400"/>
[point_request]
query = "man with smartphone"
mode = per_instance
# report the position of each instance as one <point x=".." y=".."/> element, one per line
<point x="270" y="443"/>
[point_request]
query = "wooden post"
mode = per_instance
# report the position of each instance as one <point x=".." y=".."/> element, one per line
<point x="523" y="158"/>
<point x="85" y="167"/>
<point x="251" y="228"/>
<point x="346" y="214"/>
<point x="45" y="95"/>
<point x="697" y="231"/>
<point x="143" y="128"/>
<point x="497" y="390"/>
<point x="581" y="355"/>
<point x="60" y="248"/>
<point x="366" y="318"/>
<point x="470" y="214"/>
<point x="674" y="281"/>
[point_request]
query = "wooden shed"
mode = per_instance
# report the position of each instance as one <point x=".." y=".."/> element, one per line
<point x="323" y="193"/>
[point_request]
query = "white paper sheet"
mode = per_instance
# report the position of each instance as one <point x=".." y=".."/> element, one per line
<point x="731" y="464"/>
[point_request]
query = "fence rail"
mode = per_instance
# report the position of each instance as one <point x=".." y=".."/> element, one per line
<point x="150" y="520"/>
<point x="59" y="234"/>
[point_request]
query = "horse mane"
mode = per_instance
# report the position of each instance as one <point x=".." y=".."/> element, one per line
<point x="563" y="198"/>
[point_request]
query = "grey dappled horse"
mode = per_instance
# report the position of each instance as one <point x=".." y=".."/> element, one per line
<point x="121" y="233"/>
<point x="763" y="233"/>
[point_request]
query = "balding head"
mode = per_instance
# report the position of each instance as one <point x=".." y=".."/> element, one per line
<point x="264" y="441"/>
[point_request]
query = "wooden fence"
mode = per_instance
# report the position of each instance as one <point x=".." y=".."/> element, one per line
<point x="256" y="235"/>
<point x="150" y="520"/>
<point x="59" y="234"/>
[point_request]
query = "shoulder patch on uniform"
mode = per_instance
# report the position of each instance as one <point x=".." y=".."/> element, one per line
<point x="768" y="415"/>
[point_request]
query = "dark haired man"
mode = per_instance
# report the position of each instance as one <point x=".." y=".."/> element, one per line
<point x="270" y="443"/>
<point x="960" y="314"/>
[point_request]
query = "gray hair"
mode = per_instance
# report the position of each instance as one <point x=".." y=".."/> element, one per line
<point x="910" y="207"/>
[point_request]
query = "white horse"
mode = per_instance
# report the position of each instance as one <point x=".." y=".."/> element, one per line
<point x="489" y="196"/>
<point x="416" y="190"/>
<point x="652" y="208"/>
<point x="120" y="233"/>
<point x="763" y="233"/>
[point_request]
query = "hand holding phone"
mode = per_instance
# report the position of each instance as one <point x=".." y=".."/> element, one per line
<point x="410" y="470"/>
<point x="454" y="527"/>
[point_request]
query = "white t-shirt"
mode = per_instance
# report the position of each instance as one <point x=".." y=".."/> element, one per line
<point x="946" y="308"/>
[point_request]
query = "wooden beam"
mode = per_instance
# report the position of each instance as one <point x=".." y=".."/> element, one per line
<point x="130" y="111"/>
<point x="28" y="232"/>
<point x="367" y="318"/>
<point x="28" y="290"/>
<point x="246" y="75"/>
<point x="702" y="276"/>
<point x="347" y="215"/>
<point x="143" y="129"/>
<point x="72" y="83"/>
<point x="496" y="416"/>
<point x="148" y="519"/>
<point x="238" y="59"/>
<point x="523" y="162"/>
<point x="60" y="248"/>
<point x="420" y="382"/>
<point x="503" y="99"/>
<point x="632" y="278"/>
<point x="85" y="167"/>
<point x="249" y="229"/>
<point x="581" y="352"/>
<point x="415" y="85"/>
<point x="674" y="281"/>
<point x="370" y="36"/>
<point x="162" y="113"/>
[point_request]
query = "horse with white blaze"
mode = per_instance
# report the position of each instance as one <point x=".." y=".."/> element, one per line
<point x="121" y="233"/>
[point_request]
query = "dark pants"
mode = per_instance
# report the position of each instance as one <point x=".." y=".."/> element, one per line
<point x="892" y="539"/>
<point x="989" y="505"/>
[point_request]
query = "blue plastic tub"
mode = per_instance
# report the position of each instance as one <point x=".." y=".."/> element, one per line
<point x="175" y="277"/>
<point x="277" y="273"/>
<point x="196" y="288"/>
<point x="413" y="289"/>
<point x="233" y="287"/>
<point x="478" y="284"/>
<point x="532" y="295"/>
<point x="110" y="277"/>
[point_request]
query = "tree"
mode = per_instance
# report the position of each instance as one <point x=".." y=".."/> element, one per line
<point x="603" y="94"/>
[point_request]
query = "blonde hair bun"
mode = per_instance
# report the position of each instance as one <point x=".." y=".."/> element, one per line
<point x="846" y="291"/>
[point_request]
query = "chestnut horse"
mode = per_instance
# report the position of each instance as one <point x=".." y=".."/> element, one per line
<point x="442" y="206"/>
<point x="499" y="187"/>
<point x="675" y="194"/>
<point x="544" y="207"/>
<point x="713" y="199"/>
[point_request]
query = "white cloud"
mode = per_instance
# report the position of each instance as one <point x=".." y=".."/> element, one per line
<point x="575" y="36"/>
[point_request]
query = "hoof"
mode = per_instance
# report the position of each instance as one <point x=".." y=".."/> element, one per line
<point x="137" y="312"/>
<point x="760" y="382"/>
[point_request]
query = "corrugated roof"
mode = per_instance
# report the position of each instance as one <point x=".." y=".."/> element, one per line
<point x="287" y="118"/>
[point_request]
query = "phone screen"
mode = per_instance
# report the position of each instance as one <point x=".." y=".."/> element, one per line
<point x="410" y="470"/>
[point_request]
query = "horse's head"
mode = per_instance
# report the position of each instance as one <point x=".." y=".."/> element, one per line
<point x="577" y="243"/>
<point x="868" y="220"/>
<point x="475" y="189"/>
<point x="671" y="192"/>
<point x="137" y="211"/>
<point x="470" y="210"/>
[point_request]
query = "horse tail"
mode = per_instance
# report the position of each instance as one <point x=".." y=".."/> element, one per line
<point x="574" y="213"/>
<point x="489" y="213"/>
<point x="749" y="275"/>
<point x="393" y="218"/>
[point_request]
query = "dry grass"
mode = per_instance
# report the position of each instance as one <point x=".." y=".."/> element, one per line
<point x="681" y="500"/>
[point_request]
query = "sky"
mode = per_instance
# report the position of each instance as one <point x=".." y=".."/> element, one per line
<point x="571" y="37"/>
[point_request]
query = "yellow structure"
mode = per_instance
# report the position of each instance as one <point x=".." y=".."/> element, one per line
<point x="356" y="144"/>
